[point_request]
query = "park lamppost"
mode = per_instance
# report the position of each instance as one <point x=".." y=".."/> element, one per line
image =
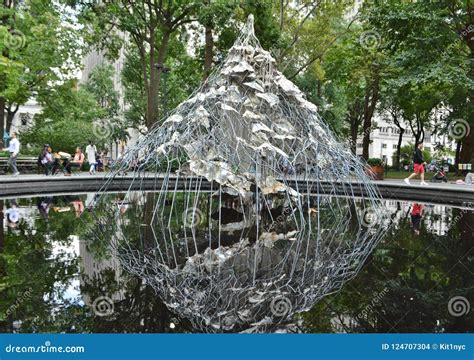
<point x="165" y="72"/>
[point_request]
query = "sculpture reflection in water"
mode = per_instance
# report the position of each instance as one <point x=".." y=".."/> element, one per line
<point x="252" y="216"/>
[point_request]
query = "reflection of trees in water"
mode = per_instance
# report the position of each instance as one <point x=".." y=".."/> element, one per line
<point x="138" y="309"/>
<point x="217" y="265"/>
<point x="30" y="273"/>
<point x="406" y="284"/>
<point x="404" y="287"/>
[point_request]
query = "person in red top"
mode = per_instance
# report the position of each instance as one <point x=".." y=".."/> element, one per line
<point x="418" y="165"/>
<point x="416" y="214"/>
<point x="76" y="162"/>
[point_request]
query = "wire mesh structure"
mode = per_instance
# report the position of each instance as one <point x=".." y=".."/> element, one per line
<point x="252" y="217"/>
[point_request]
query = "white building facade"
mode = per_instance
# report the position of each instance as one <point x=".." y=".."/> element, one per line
<point x="384" y="140"/>
<point x="25" y="116"/>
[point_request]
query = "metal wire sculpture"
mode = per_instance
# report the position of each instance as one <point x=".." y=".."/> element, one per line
<point x="251" y="216"/>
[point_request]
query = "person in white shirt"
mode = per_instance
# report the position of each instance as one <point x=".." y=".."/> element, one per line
<point x="91" y="151"/>
<point x="13" y="214"/>
<point x="13" y="149"/>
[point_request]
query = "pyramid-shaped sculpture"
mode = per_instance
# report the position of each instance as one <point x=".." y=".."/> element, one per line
<point x="243" y="208"/>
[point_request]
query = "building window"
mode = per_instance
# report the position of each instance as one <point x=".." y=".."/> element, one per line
<point x="359" y="145"/>
<point x="384" y="146"/>
<point x="395" y="146"/>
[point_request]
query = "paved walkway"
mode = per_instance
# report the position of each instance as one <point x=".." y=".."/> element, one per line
<point x="31" y="185"/>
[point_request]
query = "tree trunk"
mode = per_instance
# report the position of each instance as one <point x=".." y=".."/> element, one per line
<point x="2" y="235"/>
<point x="153" y="88"/>
<point x="208" y="51"/>
<point x="400" y="138"/>
<point x="156" y="69"/>
<point x="366" y="138"/>
<point x="354" y="130"/>
<point x="371" y="99"/>
<point x="2" y="118"/>
<point x="467" y="148"/>
<point x="10" y="115"/>
<point x="419" y="132"/>
<point x="457" y="154"/>
<point x="354" y="124"/>
<point x="399" y="148"/>
<point x="466" y="155"/>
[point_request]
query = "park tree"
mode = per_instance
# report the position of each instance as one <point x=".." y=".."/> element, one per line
<point x="39" y="46"/>
<point x="66" y="120"/>
<point x="183" y="75"/>
<point x="307" y="31"/>
<point x="390" y="106"/>
<point x="433" y="44"/>
<point x="73" y="114"/>
<point x="109" y="126"/>
<point x="148" y="25"/>
<point x="357" y="69"/>
<point x="184" y="65"/>
<point x="213" y="16"/>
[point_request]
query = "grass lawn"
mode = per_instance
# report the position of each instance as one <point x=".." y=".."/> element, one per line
<point x="399" y="174"/>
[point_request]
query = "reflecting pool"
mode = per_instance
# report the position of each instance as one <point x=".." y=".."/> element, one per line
<point x="56" y="276"/>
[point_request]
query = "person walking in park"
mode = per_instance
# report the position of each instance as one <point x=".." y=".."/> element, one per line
<point x="13" y="149"/>
<point x="91" y="150"/>
<point x="76" y="162"/>
<point x="418" y="165"/>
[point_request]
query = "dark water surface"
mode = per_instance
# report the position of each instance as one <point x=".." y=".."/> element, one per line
<point x="53" y="278"/>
